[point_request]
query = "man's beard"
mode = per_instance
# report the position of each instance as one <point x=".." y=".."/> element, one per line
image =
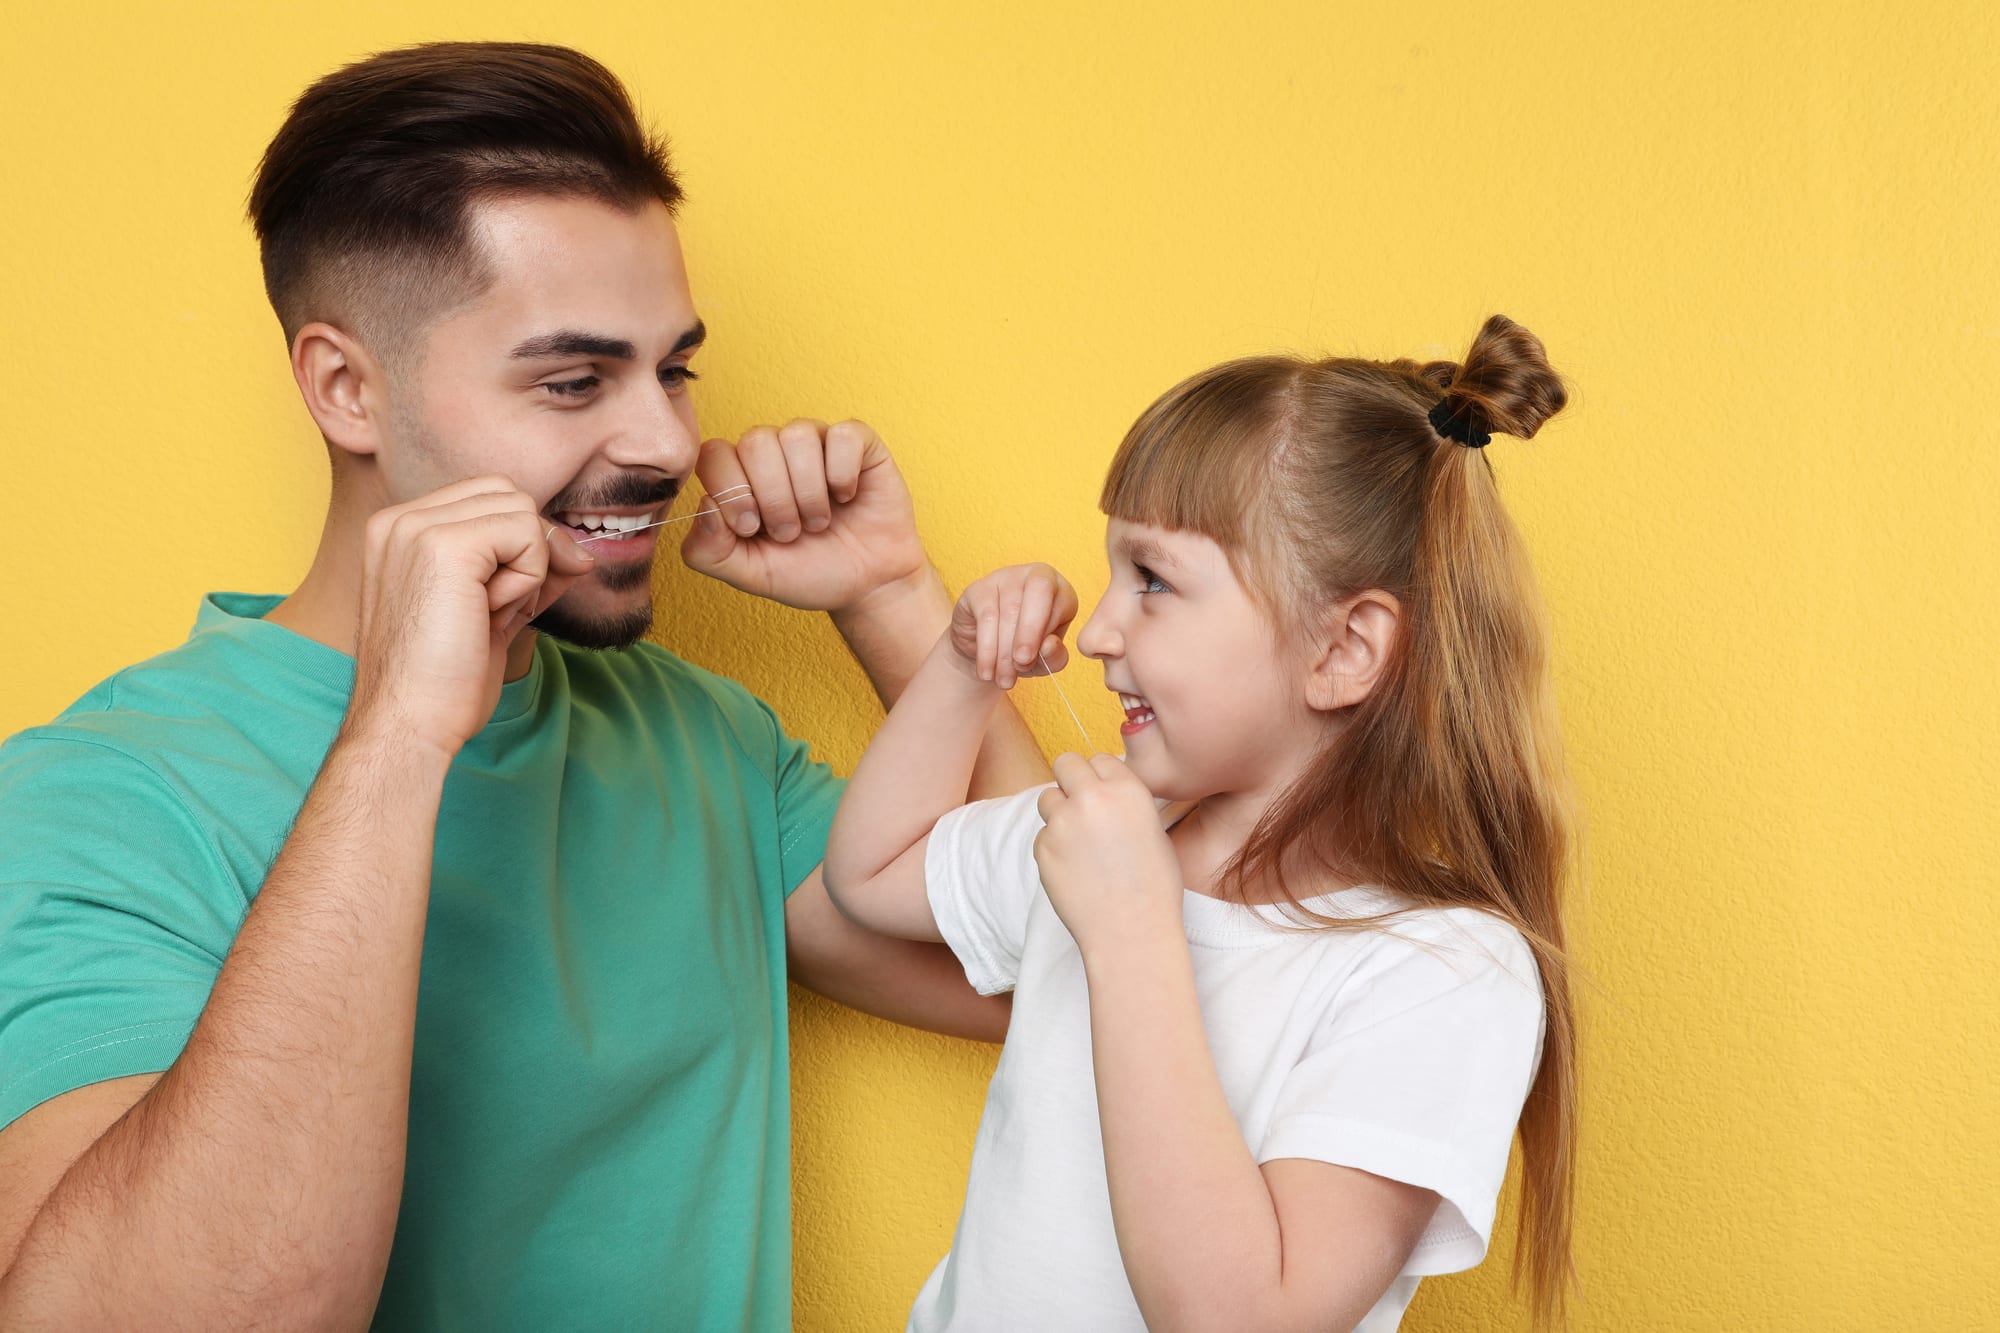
<point x="619" y="630"/>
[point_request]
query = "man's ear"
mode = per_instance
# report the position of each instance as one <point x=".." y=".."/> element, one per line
<point x="344" y="386"/>
<point x="1354" y="648"/>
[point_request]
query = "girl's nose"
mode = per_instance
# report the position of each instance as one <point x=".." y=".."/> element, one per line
<point x="1098" y="638"/>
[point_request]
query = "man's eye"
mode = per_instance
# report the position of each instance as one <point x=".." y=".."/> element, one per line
<point x="677" y="377"/>
<point x="573" y="388"/>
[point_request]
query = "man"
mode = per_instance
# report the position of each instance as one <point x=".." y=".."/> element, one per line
<point x="391" y="910"/>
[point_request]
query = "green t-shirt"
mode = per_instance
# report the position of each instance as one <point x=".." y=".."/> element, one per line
<point x="599" y="1117"/>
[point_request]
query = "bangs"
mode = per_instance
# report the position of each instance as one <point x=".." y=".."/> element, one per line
<point x="1202" y="458"/>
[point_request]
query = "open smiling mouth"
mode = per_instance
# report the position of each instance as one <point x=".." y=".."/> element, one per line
<point x="1138" y="714"/>
<point x="613" y="534"/>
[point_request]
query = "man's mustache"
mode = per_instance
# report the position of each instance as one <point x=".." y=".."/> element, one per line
<point x="618" y="493"/>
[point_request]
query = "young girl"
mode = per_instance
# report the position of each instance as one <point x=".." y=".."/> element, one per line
<point x="1266" y="1061"/>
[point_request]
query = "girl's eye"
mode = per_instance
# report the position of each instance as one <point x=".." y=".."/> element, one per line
<point x="577" y="388"/>
<point x="1149" y="581"/>
<point x="676" y="378"/>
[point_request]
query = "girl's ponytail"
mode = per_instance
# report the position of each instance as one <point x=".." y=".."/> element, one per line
<point x="1495" y="819"/>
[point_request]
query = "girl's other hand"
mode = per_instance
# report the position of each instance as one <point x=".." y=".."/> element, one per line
<point x="1009" y="622"/>
<point x="1107" y="865"/>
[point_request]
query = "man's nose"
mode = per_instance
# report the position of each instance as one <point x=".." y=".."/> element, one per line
<point x="656" y="431"/>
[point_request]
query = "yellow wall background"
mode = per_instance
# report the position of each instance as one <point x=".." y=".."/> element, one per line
<point x="1760" y="239"/>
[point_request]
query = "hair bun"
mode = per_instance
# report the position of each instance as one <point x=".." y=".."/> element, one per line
<point x="1506" y="385"/>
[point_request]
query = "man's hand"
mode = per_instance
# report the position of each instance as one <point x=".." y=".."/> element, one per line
<point x="829" y="520"/>
<point x="448" y="580"/>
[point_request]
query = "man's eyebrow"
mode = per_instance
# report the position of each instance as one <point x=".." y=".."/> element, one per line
<point x="694" y="337"/>
<point x="570" y="342"/>
<point x="575" y="342"/>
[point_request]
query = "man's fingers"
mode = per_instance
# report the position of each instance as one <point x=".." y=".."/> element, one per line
<point x="803" y="444"/>
<point x="721" y="472"/>
<point x="847" y="445"/>
<point x="763" y="460"/>
<point x="566" y="556"/>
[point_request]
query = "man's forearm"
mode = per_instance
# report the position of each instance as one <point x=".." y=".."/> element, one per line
<point x="891" y="632"/>
<point x="258" y="1180"/>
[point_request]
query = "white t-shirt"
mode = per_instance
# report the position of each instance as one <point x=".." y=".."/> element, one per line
<point x="1405" y="1050"/>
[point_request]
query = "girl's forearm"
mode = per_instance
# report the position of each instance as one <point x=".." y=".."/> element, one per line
<point x="1196" y="1224"/>
<point x="918" y="767"/>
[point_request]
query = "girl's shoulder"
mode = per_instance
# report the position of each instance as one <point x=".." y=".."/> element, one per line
<point x="1406" y="936"/>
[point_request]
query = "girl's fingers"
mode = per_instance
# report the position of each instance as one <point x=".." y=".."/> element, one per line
<point x="1072" y="771"/>
<point x="1007" y="655"/>
<point x="988" y="621"/>
<point x="1055" y="654"/>
<point x="1037" y="603"/>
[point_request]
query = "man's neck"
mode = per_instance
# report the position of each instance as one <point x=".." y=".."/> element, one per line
<point x="326" y="606"/>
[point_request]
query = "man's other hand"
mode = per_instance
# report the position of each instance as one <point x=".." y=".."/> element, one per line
<point x="828" y="521"/>
<point x="448" y="581"/>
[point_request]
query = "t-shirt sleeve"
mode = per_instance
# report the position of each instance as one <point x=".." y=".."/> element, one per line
<point x="979" y="871"/>
<point x="115" y="916"/>
<point x="807" y="791"/>
<point x="808" y="794"/>
<point x="1418" y="1072"/>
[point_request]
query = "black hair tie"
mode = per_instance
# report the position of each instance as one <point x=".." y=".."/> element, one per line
<point x="1458" y="425"/>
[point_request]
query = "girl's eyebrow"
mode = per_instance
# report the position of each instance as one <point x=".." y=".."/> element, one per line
<point x="1144" y="551"/>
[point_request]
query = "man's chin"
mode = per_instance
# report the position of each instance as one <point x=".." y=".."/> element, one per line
<point x="596" y="629"/>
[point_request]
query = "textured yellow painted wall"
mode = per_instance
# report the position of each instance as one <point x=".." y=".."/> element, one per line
<point x="1760" y="238"/>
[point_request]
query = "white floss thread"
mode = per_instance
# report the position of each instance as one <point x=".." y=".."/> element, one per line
<point x="1061" y="693"/>
<point x="718" y="497"/>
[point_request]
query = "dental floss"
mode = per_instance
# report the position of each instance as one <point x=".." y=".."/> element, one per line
<point x="718" y="497"/>
<point x="1066" y="703"/>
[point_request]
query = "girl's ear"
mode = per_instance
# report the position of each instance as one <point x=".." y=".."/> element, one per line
<point x="1354" y="650"/>
<point x="344" y="387"/>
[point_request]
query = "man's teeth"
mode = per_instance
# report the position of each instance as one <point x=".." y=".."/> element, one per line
<point x="607" y="522"/>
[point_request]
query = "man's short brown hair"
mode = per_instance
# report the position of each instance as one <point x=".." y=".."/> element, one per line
<point x="363" y="199"/>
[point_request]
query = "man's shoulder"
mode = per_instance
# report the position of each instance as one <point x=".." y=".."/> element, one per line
<point x="195" y="722"/>
<point x="121" y="714"/>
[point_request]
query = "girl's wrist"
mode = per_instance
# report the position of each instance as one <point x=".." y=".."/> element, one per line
<point x="962" y="669"/>
<point x="1134" y="950"/>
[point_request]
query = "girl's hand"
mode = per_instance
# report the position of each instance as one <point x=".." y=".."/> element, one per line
<point x="1108" y="868"/>
<point x="1009" y="621"/>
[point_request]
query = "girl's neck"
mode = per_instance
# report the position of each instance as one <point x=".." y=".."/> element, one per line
<point x="1210" y="835"/>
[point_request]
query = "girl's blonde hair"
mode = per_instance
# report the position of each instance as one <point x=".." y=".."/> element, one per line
<point x="1322" y="479"/>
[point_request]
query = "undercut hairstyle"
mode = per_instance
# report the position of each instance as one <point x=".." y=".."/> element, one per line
<point x="363" y="202"/>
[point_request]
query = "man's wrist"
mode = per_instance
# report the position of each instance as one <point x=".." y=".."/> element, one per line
<point x="368" y="740"/>
<point x="893" y="627"/>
